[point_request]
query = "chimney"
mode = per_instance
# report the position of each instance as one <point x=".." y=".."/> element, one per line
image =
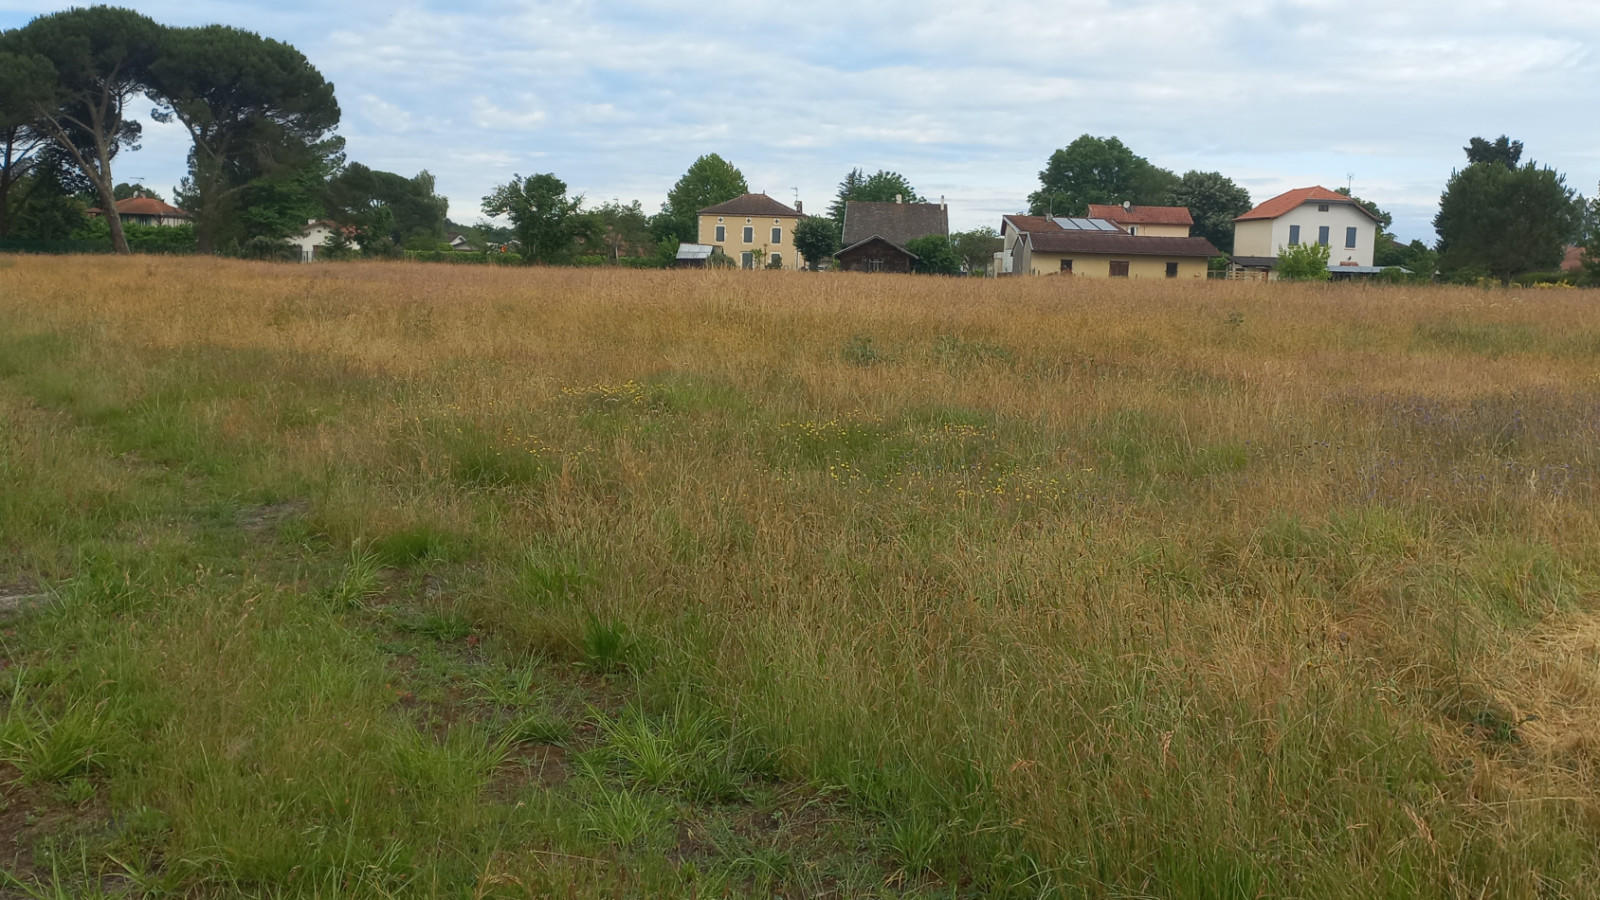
<point x="941" y="201"/>
<point x="899" y="198"/>
<point x="799" y="207"/>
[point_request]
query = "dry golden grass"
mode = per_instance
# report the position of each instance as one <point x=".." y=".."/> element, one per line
<point x="1103" y="588"/>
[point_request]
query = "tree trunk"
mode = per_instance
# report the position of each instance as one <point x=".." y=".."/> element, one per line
<point x="107" y="188"/>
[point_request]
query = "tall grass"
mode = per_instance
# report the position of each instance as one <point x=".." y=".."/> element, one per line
<point x="1080" y="589"/>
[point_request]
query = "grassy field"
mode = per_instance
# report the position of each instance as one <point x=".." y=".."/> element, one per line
<point x="389" y="580"/>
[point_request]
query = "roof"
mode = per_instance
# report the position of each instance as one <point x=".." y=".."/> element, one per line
<point x="1119" y="244"/>
<point x="758" y="205"/>
<point x="1290" y="200"/>
<point x="881" y="239"/>
<point x="1572" y="260"/>
<point x="1035" y="224"/>
<point x="1341" y="269"/>
<point x="1028" y="223"/>
<point x="695" y="251"/>
<point x="896" y="223"/>
<point x="1142" y="215"/>
<point x="145" y="206"/>
<point x="1255" y="262"/>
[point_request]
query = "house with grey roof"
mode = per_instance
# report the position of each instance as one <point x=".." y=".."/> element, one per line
<point x="876" y="234"/>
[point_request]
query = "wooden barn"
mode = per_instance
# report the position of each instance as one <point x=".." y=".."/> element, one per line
<point x="876" y="234"/>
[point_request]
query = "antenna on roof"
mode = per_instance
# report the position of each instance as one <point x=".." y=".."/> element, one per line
<point x="1350" y="185"/>
<point x="1127" y="206"/>
<point x="796" y="194"/>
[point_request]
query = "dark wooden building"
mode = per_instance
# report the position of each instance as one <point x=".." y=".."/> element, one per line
<point x="876" y="234"/>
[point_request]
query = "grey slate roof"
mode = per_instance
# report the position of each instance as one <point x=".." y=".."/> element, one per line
<point x="896" y="223"/>
<point x="695" y="251"/>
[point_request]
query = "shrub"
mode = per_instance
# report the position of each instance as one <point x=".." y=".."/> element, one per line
<point x="1303" y="262"/>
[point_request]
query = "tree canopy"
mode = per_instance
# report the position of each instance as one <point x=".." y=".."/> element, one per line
<point x="817" y="239"/>
<point x="976" y="248"/>
<point x="1502" y="150"/>
<point x="709" y="181"/>
<point x="1304" y="262"/>
<point x="1098" y="170"/>
<point x="388" y="211"/>
<point x="935" y="255"/>
<point x="545" y="219"/>
<point x="881" y="186"/>
<point x="78" y="70"/>
<point x="253" y="107"/>
<point x="1214" y="201"/>
<point x="1504" y="219"/>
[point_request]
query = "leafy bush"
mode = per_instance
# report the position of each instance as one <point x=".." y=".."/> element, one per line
<point x="1304" y="262"/>
<point x="270" y="249"/>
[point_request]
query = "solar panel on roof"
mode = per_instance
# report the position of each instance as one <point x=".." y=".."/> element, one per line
<point x="1075" y="223"/>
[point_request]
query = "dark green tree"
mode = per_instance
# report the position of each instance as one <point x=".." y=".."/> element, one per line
<point x="817" y="239"/>
<point x="976" y="248"/>
<point x="1502" y="150"/>
<point x="709" y="181"/>
<point x="388" y="211"/>
<point x="24" y="81"/>
<point x="935" y="255"/>
<point x="546" y="220"/>
<point x="49" y="206"/>
<point x="624" y="229"/>
<point x="1504" y="221"/>
<point x="277" y="205"/>
<point x="125" y="191"/>
<point x="882" y="186"/>
<point x="1214" y="201"/>
<point x="1098" y="170"/>
<point x="100" y="58"/>
<point x="253" y="107"/>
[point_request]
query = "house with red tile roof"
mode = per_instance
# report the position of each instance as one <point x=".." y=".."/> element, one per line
<point x="1150" y="221"/>
<point x="1309" y="215"/>
<point x="142" y="210"/>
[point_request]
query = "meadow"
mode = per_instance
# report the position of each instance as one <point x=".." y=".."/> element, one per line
<point x="395" y="580"/>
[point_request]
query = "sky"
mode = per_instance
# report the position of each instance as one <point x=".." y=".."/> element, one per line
<point x="967" y="99"/>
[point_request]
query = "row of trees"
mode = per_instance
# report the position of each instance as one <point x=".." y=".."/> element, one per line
<point x="263" y="159"/>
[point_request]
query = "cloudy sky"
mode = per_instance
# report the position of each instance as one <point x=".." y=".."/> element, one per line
<point x="967" y="99"/>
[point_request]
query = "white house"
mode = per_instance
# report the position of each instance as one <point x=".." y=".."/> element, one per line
<point x="1312" y="215"/>
<point x="312" y="238"/>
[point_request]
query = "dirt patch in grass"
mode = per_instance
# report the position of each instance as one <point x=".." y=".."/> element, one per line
<point x="266" y="517"/>
<point x="31" y="813"/>
<point x="19" y="598"/>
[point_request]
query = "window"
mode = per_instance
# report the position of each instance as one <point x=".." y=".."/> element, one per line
<point x="1322" y="207"/>
<point x="719" y="218"/>
<point x="749" y="235"/>
<point x="777" y="259"/>
<point x="874" y="265"/>
<point x="1133" y="229"/>
<point x="1066" y="267"/>
<point x="1350" y="238"/>
<point x="1294" y="235"/>
<point x="722" y="233"/>
<point x="747" y="260"/>
<point x="1172" y="270"/>
<point x="1322" y="235"/>
<point x="777" y="235"/>
<point x="1119" y="268"/>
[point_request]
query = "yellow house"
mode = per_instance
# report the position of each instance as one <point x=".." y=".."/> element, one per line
<point x="755" y="229"/>
<point x="1147" y="221"/>
<point x="1095" y="248"/>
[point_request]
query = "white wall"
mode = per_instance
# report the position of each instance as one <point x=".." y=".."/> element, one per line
<point x="1246" y="235"/>
<point x="313" y="237"/>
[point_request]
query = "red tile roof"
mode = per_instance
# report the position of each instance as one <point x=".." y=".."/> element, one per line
<point x="1141" y="215"/>
<point x="757" y="205"/>
<point x="1291" y="200"/>
<point x="1572" y="260"/>
<point x="144" y="206"/>
<point x="1120" y="244"/>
